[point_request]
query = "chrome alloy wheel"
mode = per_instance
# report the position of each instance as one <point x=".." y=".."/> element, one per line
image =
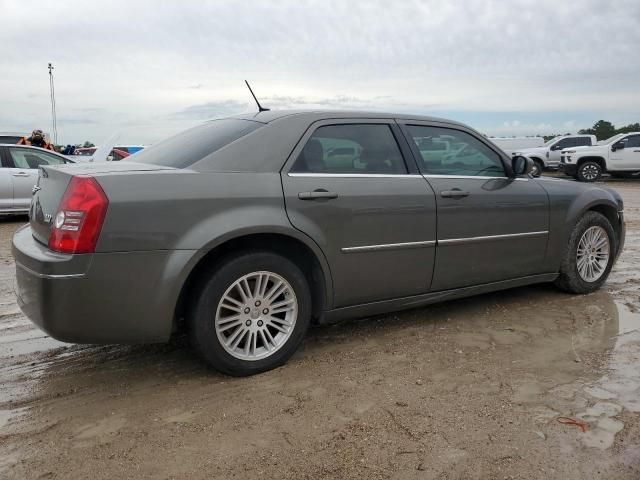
<point x="593" y="253"/>
<point x="256" y="315"/>
<point x="590" y="172"/>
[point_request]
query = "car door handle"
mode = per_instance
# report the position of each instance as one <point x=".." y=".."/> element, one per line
<point x="21" y="174"/>
<point x="317" y="194"/>
<point x="636" y="151"/>
<point x="455" y="193"/>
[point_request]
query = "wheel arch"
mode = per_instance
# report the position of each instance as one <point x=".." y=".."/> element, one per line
<point x="289" y="243"/>
<point x="599" y="160"/>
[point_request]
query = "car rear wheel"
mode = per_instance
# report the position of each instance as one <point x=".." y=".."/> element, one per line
<point x="589" y="256"/>
<point x="251" y="313"/>
<point x="589" y="171"/>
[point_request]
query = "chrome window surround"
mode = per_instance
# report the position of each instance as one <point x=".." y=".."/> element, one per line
<point x="403" y="175"/>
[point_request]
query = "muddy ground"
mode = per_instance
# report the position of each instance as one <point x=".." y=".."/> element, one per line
<point x="466" y="389"/>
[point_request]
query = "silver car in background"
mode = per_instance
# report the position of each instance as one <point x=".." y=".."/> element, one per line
<point x="19" y="174"/>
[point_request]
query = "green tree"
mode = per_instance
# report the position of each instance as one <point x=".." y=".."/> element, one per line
<point x="601" y="129"/>
<point x="632" y="127"/>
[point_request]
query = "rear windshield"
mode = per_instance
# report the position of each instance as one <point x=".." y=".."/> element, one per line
<point x="186" y="148"/>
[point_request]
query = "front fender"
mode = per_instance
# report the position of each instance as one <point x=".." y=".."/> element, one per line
<point x="568" y="202"/>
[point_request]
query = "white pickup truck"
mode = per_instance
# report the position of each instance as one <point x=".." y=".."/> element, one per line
<point x="548" y="155"/>
<point x="618" y="156"/>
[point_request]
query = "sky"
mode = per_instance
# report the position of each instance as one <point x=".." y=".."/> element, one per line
<point x="147" y="69"/>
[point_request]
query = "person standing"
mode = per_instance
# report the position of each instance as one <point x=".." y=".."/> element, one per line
<point x="36" y="139"/>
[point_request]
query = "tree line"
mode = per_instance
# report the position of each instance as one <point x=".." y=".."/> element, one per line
<point x="603" y="129"/>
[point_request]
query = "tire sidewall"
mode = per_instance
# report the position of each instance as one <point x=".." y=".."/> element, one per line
<point x="202" y="317"/>
<point x="539" y="167"/>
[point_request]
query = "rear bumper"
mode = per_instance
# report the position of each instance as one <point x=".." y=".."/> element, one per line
<point x="95" y="298"/>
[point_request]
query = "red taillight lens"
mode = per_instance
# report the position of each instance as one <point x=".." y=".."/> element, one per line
<point x="76" y="227"/>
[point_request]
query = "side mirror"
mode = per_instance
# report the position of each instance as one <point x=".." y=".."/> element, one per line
<point x="617" y="146"/>
<point x="556" y="147"/>
<point x="521" y="165"/>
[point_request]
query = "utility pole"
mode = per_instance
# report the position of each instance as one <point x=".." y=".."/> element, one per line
<point x="54" y="122"/>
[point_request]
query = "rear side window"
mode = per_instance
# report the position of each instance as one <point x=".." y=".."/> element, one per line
<point x="583" y="142"/>
<point x="351" y="149"/>
<point x="190" y="146"/>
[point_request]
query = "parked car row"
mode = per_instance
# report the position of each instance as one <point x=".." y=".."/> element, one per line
<point x="249" y="229"/>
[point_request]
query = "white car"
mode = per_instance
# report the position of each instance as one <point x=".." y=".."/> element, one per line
<point x="618" y="155"/>
<point x="548" y="155"/>
<point x="19" y="174"/>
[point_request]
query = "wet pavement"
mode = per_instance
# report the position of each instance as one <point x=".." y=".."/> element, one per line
<point x="471" y="388"/>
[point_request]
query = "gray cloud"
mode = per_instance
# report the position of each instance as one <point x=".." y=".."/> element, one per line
<point x="187" y="61"/>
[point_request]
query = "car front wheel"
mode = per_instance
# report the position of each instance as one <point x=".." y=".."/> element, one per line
<point x="251" y="313"/>
<point x="589" y="171"/>
<point x="538" y="168"/>
<point x="589" y="255"/>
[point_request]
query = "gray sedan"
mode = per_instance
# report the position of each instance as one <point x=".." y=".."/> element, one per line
<point x="247" y="230"/>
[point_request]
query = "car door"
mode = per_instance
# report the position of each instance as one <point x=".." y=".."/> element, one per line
<point x="490" y="227"/>
<point x="6" y="183"/>
<point x="627" y="158"/>
<point x="556" y="149"/>
<point x="24" y="163"/>
<point x="348" y="187"/>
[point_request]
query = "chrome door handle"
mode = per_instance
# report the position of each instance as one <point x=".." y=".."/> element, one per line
<point x="317" y="194"/>
<point x="21" y="174"/>
<point x="455" y="193"/>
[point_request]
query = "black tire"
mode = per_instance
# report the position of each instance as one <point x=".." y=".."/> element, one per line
<point x="589" y="171"/>
<point x="569" y="279"/>
<point x="202" y="314"/>
<point x="538" y="167"/>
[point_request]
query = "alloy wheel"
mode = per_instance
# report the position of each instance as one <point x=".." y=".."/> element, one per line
<point x="590" y="172"/>
<point x="592" y="255"/>
<point x="256" y="315"/>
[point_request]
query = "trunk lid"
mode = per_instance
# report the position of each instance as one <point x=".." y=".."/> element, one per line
<point x="53" y="182"/>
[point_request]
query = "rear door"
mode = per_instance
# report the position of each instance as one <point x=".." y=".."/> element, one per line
<point x="24" y="172"/>
<point x="490" y="227"/>
<point x="348" y="187"/>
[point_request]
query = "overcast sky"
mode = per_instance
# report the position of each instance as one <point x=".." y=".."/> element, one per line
<point x="151" y="68"/>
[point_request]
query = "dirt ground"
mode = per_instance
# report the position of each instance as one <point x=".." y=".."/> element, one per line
<point x="467" y="389"/>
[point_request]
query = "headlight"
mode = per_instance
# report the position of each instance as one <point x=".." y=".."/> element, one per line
<point x="569" y="151"/>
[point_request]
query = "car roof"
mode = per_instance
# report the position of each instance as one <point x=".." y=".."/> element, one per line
<point x="315" y="115"/>
<point x="33" y="147"/>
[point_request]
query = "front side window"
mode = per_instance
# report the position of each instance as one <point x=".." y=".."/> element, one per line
<point x="351" y="149"/>
<point x="444" y="151"/>
<point x="565" y="143"/>
<point x="633" y="141"/>
<point x="28" y="158"/>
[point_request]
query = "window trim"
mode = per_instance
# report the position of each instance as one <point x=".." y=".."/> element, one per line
<point x="405" y="123"/>
<point x="405" y="152"/>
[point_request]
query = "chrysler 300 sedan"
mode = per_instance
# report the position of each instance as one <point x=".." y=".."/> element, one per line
<point x="247" y="230"/>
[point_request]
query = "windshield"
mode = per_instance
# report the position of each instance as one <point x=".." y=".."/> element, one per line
<point x="611" y="139"/>
<point x="190" y="146"/>
<point x="550" y="142"/>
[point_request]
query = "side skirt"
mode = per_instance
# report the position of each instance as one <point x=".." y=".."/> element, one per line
<point x="405" y="303"/>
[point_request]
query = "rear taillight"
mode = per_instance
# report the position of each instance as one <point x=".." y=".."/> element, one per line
<point x="76" y="227"/>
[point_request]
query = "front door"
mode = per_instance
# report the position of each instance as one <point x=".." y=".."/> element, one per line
<point x="627" y="158"/>
<point x="490" y="227"/>
<point x="6" y="184"/>
<point x="347" y="186"/>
